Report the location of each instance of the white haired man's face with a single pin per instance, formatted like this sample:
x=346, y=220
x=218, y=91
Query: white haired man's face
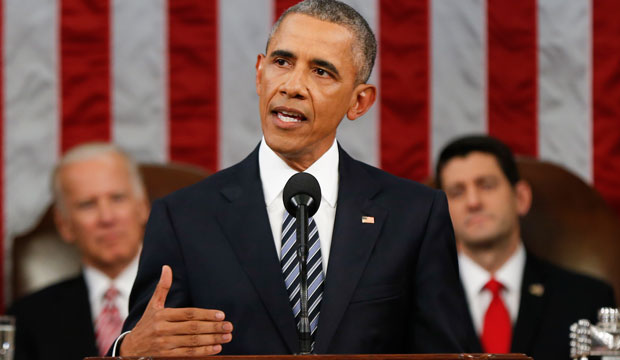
x=101, y=211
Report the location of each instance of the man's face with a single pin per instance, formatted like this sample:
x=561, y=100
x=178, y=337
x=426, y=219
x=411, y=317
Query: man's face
x=484, y=206
x=306, y=84
x=102, y=213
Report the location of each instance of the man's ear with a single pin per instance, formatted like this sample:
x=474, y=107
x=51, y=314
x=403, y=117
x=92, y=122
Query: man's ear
x=259, y=70
x=144, y=209
x=63, y=226
x=364, y=96
x=523, y=192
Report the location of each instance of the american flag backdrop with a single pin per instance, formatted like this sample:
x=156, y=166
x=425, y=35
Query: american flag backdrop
x=174, y=81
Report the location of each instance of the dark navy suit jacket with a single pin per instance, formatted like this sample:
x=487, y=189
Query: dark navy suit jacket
x=544, y=318
x=55, y=323
x=391, y=286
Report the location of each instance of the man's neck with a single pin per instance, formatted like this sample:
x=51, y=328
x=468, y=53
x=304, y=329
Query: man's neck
x=492, y=258
x=302, y=161
x=111, y=271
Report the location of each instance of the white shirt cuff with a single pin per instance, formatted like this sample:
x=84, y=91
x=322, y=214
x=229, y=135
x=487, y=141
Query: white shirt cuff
x=120, y=337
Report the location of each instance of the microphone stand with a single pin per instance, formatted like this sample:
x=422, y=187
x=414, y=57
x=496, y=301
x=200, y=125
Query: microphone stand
x=305, y=336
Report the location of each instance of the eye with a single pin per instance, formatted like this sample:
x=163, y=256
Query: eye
x=488, y=184
x=280, y=62
x=118, y=197
x=86, y=204
x=322, y=72
x=454, y=192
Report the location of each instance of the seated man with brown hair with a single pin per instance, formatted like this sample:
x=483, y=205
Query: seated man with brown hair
x=101, y=207
x=518, y=302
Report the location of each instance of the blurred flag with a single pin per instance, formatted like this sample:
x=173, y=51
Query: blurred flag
x=174, y=81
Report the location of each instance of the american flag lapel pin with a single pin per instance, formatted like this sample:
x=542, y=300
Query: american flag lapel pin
x=368, y=219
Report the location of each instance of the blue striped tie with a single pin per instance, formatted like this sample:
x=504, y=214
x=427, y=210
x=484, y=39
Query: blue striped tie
x=290, y=268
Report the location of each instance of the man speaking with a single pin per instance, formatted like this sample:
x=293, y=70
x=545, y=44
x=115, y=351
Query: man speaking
x=216, y=256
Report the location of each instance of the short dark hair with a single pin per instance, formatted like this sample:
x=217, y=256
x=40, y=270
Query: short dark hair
x=462, y=147
x=365, y=45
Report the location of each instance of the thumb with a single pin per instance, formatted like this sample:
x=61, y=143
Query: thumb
x=161, y=290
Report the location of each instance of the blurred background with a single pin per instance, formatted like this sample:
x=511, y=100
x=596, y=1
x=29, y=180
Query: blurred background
x=173, y=81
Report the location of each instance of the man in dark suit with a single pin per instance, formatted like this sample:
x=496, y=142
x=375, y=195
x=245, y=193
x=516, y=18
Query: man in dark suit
x=101, y=208
x=387, y=256
x=518, y=303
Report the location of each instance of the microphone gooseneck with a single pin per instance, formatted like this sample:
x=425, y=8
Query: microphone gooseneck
x=302, y=197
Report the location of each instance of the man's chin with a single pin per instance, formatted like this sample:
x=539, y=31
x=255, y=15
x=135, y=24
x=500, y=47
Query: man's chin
x=481, y=242
x=284, y=146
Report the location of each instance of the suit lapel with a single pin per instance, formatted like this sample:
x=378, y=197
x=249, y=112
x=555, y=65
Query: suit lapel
x=82, y=314
x=245, y=222
x=352, y=243
x=530, y=308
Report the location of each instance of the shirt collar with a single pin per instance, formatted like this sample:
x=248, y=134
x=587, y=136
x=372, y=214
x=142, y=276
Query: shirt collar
x=510, y=274
x=98, y=282
x=274, y=173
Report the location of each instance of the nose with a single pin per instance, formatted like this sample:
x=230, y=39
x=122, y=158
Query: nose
x=472, y=197
x=105, y=212
x=294, y=85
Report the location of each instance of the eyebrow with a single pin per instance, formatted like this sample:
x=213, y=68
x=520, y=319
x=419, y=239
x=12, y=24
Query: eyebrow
x=282, y=53
x=326, y=64
x=318, y=62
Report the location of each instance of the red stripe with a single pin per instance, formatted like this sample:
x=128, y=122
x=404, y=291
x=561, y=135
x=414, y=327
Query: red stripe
x=281, y=6
x=193, y=81
x=606, y=99
x=2, y=217
x=512, y=74
x=85, y=71
x=405, y=93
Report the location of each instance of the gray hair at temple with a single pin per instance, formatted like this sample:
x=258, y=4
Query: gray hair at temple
x=88, y=151
x=365, y=46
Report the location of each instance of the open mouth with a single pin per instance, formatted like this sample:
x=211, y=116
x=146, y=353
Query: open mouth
x=288, y=116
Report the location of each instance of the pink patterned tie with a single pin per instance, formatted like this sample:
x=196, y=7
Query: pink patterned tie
x=109, y=323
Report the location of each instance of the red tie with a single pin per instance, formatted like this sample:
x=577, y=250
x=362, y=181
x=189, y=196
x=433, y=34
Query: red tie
x=109, y=323
x=497, y=329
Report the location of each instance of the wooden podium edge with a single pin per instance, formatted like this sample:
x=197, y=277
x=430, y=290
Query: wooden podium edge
x=334, y=357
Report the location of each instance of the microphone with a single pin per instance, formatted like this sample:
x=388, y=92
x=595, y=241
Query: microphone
x=302, y=197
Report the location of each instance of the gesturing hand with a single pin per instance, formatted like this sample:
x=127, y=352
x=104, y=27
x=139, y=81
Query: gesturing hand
x=176, y=332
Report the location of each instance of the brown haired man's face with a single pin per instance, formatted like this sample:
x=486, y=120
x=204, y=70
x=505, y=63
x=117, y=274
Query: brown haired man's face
x=484, y=206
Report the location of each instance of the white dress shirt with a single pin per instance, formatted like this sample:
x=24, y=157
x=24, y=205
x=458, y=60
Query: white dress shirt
x=98, y=283
x=474, y=277
x=274, y=174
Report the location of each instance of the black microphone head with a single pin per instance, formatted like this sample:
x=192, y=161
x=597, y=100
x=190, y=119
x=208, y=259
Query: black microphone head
x=296, y=187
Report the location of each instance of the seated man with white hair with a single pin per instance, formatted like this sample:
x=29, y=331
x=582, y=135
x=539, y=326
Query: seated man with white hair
x=100, y=207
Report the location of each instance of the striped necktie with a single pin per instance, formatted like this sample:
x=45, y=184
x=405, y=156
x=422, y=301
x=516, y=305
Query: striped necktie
x=109, y=322
x=290, y=269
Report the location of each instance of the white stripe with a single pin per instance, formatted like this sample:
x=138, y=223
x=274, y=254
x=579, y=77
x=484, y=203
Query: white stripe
x=360, y=138
x=565, y=134
x=139, y=83
x=288, y=263
x=315, y=303
x=31, y=112
x=294, y=293
x=458, y=76
x=292, y=276
x=288, y=247
x=316, y=287
x=243, y=29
